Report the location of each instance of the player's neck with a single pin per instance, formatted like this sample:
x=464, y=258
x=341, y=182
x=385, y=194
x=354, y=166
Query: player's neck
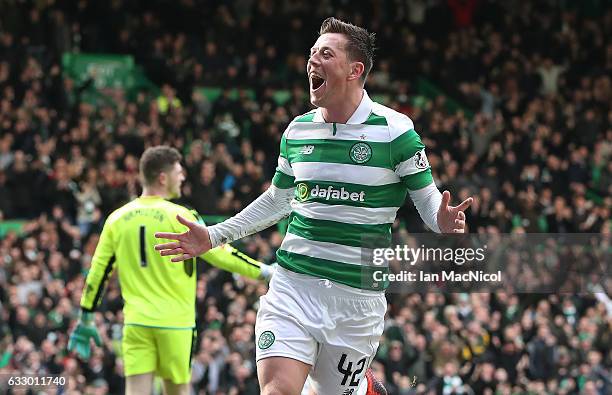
x=153, y=191
x=342, y=112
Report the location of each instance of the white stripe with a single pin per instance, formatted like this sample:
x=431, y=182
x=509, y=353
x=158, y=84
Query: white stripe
x=330, y=251
x=409, y=166
x=307, y=130
x=374, y=133
x=283, y=165
x=398, y=122
x=340, y=172
x=346, y=214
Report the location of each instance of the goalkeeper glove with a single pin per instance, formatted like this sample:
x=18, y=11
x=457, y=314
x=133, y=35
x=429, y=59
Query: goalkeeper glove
x=82, y=334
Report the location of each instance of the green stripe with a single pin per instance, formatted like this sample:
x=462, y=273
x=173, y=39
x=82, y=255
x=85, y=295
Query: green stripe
x=418, y=180
x=356, y=276
x=306, y=117
x=354, y=235
x=337, y=151
x=389, y=195
x=374, y=119
x=404, y=146
x=282, y=180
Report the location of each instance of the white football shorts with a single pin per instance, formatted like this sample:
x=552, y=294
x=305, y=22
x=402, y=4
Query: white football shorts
x=332, y=327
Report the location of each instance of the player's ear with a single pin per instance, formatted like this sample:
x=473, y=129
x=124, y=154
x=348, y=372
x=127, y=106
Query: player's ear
x=162, y=178
x=357, y=69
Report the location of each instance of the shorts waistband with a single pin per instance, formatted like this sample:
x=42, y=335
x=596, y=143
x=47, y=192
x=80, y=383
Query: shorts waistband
x=323, y=285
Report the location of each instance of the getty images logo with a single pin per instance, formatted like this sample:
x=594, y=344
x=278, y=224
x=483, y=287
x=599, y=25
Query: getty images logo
x=330, y=193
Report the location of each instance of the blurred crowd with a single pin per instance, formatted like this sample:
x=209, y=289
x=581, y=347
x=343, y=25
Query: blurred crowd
x=532, y=142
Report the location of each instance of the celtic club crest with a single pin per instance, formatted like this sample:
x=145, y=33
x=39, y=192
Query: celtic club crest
x=266, y=339
x=301, y=192
x=360, y=153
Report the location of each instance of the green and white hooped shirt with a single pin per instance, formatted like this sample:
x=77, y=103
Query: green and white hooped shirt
x=350, y=180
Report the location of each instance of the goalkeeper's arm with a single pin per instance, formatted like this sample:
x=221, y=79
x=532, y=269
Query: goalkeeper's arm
x=100, y=272
x=230, y=259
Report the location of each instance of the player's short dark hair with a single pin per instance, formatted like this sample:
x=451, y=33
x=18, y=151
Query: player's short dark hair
x=360, y=43
x=156, y=160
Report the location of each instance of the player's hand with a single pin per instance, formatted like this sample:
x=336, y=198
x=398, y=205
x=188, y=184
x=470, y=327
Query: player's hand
x=80, y=338
x=190, y=244
x=452, y=219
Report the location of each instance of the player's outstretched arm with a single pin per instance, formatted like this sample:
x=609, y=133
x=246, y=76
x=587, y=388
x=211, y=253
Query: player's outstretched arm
x=269, y=208
x=451, y=219
x=190, y=244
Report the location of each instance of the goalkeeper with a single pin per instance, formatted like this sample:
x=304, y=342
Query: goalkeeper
x=159, y=310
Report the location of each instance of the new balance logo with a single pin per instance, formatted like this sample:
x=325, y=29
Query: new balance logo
x=307, y=149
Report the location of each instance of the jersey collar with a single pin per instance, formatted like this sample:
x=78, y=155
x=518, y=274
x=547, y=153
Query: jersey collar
x=150, y=197
x=360, y=115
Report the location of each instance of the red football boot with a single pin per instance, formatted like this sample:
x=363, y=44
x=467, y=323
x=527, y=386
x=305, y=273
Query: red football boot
x=375, y=387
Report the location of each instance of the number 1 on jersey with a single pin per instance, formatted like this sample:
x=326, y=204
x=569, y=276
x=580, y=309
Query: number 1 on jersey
x=143, y=252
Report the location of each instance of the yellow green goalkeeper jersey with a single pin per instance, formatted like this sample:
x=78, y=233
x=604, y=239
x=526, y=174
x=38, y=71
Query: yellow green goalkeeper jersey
x=157, y=292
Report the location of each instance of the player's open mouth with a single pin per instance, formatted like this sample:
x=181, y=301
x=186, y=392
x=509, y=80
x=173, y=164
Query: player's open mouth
x=316, y=82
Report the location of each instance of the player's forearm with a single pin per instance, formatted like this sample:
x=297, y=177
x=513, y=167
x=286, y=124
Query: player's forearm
x=230, y=259
x=94, y=286
x=100, y=272
x=269, y=208
x=427, y=201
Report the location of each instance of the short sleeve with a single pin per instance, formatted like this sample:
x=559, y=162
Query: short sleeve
x=409, y=160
